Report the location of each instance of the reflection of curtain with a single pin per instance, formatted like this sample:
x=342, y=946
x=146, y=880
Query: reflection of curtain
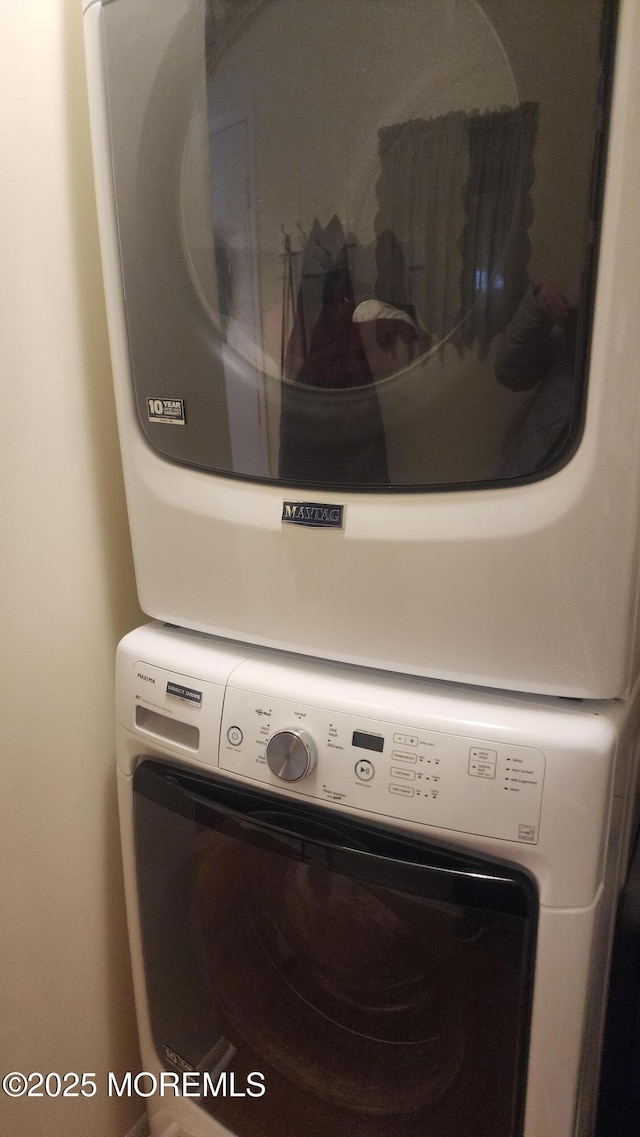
x=452, y=219
x=499, y=211
x=424, y=165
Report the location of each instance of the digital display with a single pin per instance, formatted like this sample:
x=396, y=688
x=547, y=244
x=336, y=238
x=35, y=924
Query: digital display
x=368, y=741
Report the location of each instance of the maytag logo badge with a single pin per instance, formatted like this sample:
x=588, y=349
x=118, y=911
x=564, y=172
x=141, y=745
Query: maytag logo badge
x=315, y=514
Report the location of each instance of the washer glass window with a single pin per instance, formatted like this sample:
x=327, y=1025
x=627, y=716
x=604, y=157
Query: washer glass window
x=374, y=983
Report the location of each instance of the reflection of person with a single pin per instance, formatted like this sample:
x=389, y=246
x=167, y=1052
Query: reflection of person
x=537, y=354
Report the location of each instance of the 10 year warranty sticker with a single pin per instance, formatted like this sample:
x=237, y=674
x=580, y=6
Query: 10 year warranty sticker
x=166, y=410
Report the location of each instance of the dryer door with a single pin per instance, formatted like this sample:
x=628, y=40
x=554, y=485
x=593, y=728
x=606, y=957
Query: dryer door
x=325, y=211
x=324, y=976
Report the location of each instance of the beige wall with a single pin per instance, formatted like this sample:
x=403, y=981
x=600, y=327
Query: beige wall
x=67, y=595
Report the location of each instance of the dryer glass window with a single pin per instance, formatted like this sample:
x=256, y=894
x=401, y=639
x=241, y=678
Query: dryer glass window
x=357, y=235
x=368, y=983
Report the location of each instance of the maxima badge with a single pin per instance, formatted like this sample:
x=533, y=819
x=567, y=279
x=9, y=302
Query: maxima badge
x=315, y=514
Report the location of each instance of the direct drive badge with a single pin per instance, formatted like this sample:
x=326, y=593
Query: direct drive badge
x=187, y=694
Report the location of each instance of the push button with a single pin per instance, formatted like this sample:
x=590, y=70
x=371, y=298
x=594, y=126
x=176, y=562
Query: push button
x=406, y=739
x=403, y=775
x=482, y=762
x=364, y=770
x=404, y=791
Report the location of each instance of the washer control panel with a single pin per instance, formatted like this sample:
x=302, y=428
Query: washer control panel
x=393, y=769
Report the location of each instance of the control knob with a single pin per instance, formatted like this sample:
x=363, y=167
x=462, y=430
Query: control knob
x=291, y=755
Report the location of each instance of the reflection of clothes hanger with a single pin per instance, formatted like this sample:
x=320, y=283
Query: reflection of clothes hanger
x=324, y=271
x=335, y=248
x=332, y=262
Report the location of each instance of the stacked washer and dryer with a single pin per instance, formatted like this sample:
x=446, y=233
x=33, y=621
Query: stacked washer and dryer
x=371, y=273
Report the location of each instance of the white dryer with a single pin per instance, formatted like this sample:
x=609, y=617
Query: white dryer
x=361, y=904
x=325, y=227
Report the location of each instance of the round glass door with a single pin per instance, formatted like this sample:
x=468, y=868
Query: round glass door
x=357, y=235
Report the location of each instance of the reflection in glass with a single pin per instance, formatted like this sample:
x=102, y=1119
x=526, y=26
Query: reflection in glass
x=366, y=192
x=340, y=990
x=537, y=353
x=393, y=305
x=380, y=986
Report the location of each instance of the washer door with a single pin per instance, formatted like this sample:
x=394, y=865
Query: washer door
x=369, y=982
